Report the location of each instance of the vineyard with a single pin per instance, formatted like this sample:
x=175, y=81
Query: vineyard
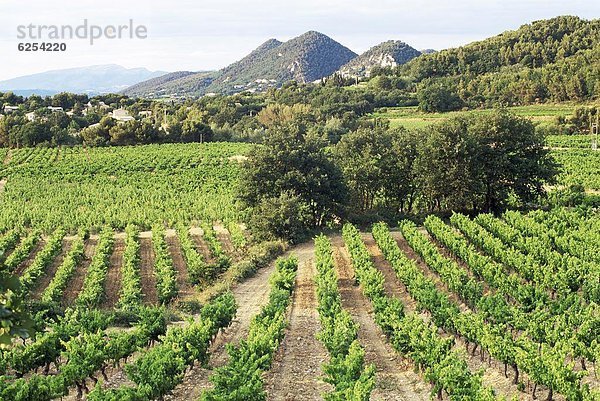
x=412, y=117
x=144, y=285
x=78, y=187
x=579, y=163
x=579, y=166
x=483, y=308
x=569, y=141
x=306, y=223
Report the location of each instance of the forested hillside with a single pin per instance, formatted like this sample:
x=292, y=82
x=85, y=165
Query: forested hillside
x=533, y=45
x=549, y=60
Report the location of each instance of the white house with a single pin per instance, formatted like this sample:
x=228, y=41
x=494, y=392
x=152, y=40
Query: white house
x=10, y=109
x=30, y=116
x=145, y=113
x=121, y=115
x=55, y=109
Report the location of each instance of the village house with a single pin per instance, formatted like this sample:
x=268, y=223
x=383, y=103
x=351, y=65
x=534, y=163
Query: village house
x=121, y=115
x=10, y=109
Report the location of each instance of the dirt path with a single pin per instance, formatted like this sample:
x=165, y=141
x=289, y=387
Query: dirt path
x=251, y=295
x=225, y=239
x=393, y=286
x=112, y=284
x=493, y=374
x=183, y=283
x=394, y=376
x=2, y=185
x=296, y=370
x=201, y=245
x=148, y=279
x=51, y=270
x=36, y=249
x=76, y=283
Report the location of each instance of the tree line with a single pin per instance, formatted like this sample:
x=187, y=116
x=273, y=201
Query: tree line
x=330, y=108
x=297, y=181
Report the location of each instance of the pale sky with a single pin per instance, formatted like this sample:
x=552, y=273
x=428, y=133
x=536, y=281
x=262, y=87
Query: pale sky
x=204, y=35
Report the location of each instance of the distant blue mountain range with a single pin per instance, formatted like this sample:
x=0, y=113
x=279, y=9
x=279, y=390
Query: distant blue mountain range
x=96, y=79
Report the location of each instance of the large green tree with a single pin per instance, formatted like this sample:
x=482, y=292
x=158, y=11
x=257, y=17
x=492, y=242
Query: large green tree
x=377, y=165
x=400, y=190
x=298, y=164
x=438, y=96
x=444, y=168
x=510, y=160
x=479, y=162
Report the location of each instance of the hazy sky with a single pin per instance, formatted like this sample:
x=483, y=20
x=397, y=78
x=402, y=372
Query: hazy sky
x=202, y=35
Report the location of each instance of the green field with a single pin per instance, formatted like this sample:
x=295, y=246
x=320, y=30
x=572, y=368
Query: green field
x=182, y=190
x=579, y=166
x=569, y=141
x=78, y=187
x=411, y=117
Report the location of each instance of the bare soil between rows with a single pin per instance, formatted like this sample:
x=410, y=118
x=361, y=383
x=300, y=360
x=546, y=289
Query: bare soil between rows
x=36, y=249
x=183, y=282
x=48, y=275
x=395, y=378
x=76, y=283
x=147, y=276
x=296, y=370
x=112, y=284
